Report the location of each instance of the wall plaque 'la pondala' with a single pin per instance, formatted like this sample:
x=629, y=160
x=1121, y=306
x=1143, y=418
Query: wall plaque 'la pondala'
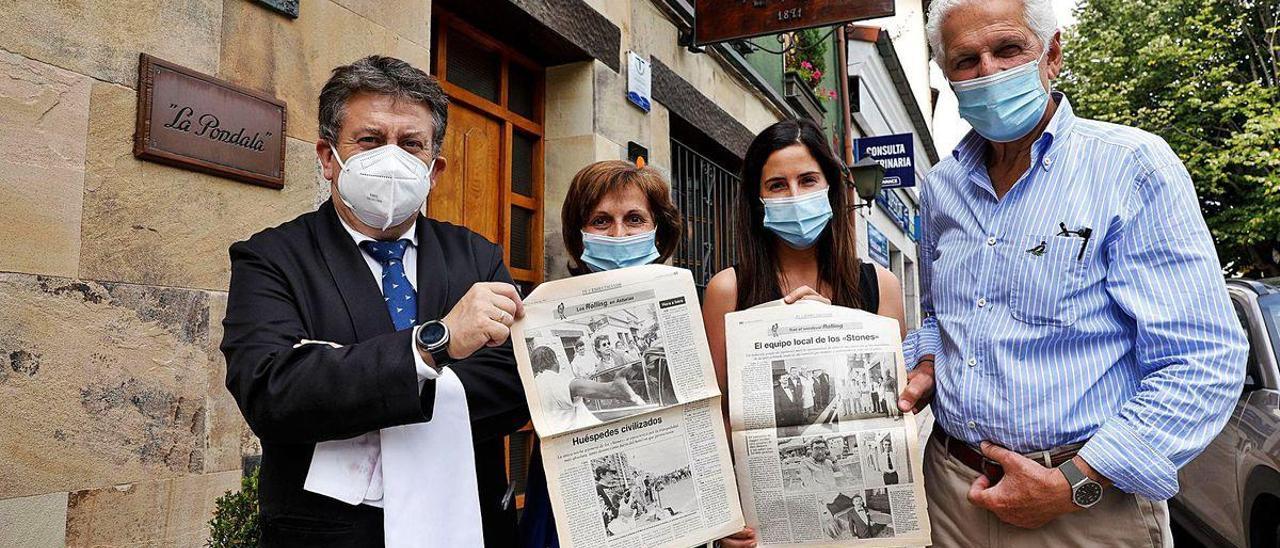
x=198, y=122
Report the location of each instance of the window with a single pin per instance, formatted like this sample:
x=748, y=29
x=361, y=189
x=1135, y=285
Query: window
x=706, y=193
x=494, y=143
x=1251, y=362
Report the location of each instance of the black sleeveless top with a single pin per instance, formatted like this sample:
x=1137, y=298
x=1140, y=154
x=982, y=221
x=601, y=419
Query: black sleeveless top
x=868, y=287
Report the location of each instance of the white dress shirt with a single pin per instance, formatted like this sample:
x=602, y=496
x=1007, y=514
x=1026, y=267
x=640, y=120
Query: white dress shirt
x=373, y=496
x=584, y=365
x=563, y=410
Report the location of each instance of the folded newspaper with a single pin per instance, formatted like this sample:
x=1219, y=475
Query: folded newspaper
x=824, y=457
x=623, y=395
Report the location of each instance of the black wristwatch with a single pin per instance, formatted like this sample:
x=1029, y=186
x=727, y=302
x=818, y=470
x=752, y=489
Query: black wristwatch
x=433, y=337
x=1084, y=491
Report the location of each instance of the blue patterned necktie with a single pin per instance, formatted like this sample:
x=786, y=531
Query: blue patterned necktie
x=397, y=292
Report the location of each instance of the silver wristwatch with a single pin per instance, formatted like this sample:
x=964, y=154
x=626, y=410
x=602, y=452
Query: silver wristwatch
x=433, y=337
x=1084, y=491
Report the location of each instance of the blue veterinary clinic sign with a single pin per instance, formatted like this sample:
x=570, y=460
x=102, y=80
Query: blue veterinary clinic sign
x=895, y=208
x=895, y=152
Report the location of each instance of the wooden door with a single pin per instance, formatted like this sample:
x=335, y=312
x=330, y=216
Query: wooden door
x=493, y=145
x=468, y=192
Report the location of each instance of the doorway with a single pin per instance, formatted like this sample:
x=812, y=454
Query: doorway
x=493, y=184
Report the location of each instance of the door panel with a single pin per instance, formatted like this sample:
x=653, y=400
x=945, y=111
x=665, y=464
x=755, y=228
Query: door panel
x=1209, y=483
x=467, y=192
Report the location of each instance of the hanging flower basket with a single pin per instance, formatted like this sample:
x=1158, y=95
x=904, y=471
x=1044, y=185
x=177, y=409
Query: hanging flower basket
x=802, y=97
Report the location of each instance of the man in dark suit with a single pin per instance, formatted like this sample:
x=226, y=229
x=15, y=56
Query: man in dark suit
x=786, y=402
x=860, y=523
x=822, y=389
x=350, y=322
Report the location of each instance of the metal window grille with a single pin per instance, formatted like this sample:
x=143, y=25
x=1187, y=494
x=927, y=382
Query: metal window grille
x=522, y=163
x=473, y=67
x=521, y=237
x=705, y=193
x=518, y=453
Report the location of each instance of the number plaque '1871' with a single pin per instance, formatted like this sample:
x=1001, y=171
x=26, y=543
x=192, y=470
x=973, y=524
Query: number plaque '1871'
x=722, y=20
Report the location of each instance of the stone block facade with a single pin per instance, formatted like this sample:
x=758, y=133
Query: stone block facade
x=113, y=271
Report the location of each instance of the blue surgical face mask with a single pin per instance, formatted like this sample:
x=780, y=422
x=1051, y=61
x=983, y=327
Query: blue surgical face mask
x=1004, y=106
x=609, y=253
x=798, y=220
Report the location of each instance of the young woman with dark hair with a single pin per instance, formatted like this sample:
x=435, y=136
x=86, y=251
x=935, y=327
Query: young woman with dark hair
x=796, y=240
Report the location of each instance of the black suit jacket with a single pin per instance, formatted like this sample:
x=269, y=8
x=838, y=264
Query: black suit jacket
x=786, y=410
x=307, y=279
x=859, y=528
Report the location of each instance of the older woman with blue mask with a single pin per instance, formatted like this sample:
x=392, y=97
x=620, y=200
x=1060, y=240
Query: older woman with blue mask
x=616, y=214
x=1077, y=328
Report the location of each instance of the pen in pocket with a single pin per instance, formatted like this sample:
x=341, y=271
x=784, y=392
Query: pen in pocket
x=1084, y=233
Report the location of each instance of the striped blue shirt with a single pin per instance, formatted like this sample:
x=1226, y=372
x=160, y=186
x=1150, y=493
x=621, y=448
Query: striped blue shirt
x=1124, y=341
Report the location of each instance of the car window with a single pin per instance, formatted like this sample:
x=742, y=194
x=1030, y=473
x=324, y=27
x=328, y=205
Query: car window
x=1252, y=363
x=1270, y=306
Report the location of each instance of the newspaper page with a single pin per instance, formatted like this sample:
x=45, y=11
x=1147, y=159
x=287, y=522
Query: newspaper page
x=623, y=395
x=824, y=457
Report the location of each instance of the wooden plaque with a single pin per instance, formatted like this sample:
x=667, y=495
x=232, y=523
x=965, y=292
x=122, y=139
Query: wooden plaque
x=198, y=122
x=721, y=20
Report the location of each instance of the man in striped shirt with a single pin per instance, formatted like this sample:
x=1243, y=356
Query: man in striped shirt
x=1080, y=346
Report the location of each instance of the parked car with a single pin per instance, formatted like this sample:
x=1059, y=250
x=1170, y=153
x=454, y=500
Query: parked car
x=1231, y=493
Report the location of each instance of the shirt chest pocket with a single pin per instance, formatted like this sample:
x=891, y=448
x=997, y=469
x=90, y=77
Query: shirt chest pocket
x=1047, y=274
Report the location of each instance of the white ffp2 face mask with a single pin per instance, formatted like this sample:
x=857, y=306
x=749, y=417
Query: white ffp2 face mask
x=383, y=186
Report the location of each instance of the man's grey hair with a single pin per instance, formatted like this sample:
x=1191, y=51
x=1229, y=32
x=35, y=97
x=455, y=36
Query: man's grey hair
x=384, y=75
x=1037, y=14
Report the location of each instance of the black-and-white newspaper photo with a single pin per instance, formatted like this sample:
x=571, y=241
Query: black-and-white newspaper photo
x=594, y=368
x=623, y=396
x=815, y=394
x=856, y=514
x=884, y=457
x=824, y=456
x=813, y=464
x=644, y=485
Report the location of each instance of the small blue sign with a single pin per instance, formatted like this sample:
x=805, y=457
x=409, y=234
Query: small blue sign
x=895, y=208
x=638, y=81
x=895, y=152
x=877, y=245
x=916, y=231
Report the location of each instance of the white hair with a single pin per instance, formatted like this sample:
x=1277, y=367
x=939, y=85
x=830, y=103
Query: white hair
x=1037, y=14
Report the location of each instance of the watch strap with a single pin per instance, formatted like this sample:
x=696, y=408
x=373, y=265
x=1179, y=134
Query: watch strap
x=1072, y=472
x=441, y=356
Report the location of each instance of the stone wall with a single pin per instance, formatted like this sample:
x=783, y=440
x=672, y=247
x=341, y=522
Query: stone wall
x=113, y=271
